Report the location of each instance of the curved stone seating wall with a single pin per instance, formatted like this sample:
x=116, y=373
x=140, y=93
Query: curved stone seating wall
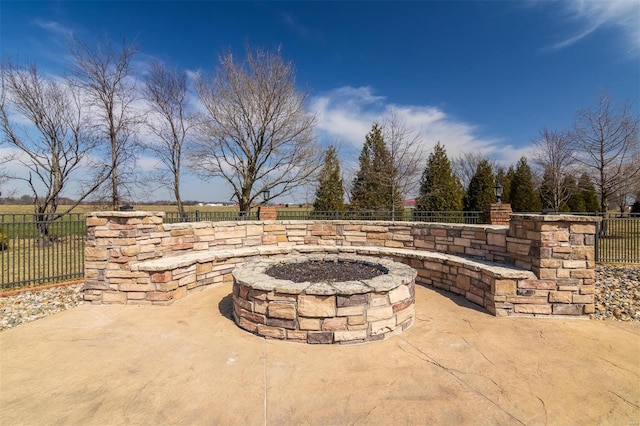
x=539, y=265
x=327, y=313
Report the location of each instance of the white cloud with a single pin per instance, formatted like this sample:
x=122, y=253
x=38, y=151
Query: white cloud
x=591, y=16
x=53, y=27
x=347, y=113
x=299, y=28
x=293, y=23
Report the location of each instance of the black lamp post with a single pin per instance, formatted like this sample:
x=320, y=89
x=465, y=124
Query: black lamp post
x=497, y=190
x=265, y=196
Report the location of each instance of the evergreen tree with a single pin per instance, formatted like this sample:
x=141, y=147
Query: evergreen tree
x=547, y=192
x=361, y=188
x=523, y=194
x=373, y=187
x=504, y=178
x=506, y=185
x=589, y=194
x=575, y=203
x=440, y=189
x=480, y=192
x=330, y=191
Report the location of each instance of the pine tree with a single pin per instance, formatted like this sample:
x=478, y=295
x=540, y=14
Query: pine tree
x=575, y=203
x=330, y=191
x=373, y=187
x=440, y=189
x=504, y=179
x=547, y=192
x=480, y=192
x=506, y=194
x=523, y=194
x=589, y=194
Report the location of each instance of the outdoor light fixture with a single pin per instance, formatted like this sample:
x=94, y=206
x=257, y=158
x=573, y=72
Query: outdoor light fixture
x=265, y=195
x=498, y=191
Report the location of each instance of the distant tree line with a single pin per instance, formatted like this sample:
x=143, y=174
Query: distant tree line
x=591, y=168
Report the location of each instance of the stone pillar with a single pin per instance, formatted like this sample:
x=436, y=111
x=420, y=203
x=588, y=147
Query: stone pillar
x=114, y=240
x=267, y=213
x=560, y=250
x=499, y=214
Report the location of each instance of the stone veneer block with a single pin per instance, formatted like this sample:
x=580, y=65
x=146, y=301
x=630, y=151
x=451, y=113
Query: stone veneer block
x=316, y=306
x=325, y=319
x=281, y=310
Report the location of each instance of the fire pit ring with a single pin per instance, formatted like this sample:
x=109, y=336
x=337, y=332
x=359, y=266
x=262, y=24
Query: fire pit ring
x=324, y=312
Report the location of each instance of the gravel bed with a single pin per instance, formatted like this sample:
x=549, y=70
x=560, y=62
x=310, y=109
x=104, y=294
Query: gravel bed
x=617, y=293
x=617, y=298
x=32, y=305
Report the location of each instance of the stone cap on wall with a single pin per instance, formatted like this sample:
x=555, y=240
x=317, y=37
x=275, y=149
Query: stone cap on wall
x=557, y=217
x=540, y=217
x=136, y=213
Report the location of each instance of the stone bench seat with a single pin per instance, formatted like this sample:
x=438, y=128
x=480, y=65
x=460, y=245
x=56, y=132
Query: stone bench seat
x=484, y=283
x=495, y=270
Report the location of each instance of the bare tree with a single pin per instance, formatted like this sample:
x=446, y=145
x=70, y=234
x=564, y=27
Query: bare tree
x=605, y=142
x=465, y=165
x=58, y=150
x=256, y=133
x=170, y=120
x=5, y=158
x=626, y=192
x=553, y=153
x=105, y=76
x=407, y=155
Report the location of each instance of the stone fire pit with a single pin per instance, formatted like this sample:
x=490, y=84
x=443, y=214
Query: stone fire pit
x=328, y=311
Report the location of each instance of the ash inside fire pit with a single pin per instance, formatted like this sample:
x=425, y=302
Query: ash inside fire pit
x=321, y=271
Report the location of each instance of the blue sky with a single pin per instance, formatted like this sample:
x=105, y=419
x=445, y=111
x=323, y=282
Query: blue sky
x=477, y=76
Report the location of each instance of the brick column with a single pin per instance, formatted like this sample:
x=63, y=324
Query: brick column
x=267, y=213
x=499, y=214
x=560, y=250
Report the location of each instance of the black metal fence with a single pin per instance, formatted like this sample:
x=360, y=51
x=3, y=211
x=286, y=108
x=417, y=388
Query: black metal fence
x=29, y=256
x=472, y=217
x=618, y=238
x=200, y=216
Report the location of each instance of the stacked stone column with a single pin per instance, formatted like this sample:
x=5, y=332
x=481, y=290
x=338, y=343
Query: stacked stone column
x=114, y=241
x=560, y=250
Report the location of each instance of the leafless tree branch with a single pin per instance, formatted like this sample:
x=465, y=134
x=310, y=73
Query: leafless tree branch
x=553, y=153
x=170, y=121
x=104, y=76
x=256, y=133
x=56, y=144
x=605, y=142
x=407, y=153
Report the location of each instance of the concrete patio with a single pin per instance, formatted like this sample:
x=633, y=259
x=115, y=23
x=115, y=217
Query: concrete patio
x=190, y=364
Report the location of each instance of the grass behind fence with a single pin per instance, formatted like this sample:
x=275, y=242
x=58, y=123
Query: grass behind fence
x=31, y=259
x=620, y=240
x=27, y=262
